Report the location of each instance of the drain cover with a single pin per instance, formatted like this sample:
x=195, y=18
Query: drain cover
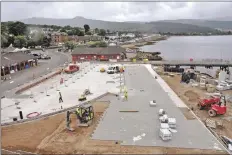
x=110, y=82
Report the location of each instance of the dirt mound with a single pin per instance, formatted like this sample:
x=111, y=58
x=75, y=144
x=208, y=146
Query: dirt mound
x=191, y=95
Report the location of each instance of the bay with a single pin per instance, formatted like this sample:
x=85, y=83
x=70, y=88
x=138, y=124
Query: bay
x=195, y=47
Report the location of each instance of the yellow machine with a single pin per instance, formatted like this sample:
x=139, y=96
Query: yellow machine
x=82, y=98
x=102, y=70
x=84, y=113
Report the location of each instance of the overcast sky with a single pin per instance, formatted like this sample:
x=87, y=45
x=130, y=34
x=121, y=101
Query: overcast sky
x=116, y=11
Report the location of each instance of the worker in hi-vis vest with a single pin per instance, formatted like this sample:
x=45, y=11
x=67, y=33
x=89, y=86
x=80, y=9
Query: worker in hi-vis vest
x=125, y=93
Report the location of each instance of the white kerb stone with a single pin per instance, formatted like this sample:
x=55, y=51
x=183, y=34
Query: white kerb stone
x=165, y=134
x=164, y=125
x=161, y=112
x=152, y=103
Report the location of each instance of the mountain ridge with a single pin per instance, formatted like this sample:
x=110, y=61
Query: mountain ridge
x=176, y=26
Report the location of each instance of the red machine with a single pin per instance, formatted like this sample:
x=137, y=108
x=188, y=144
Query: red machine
x=219, y=108
x=217, y=105
x=71, y=68
x=208, y=101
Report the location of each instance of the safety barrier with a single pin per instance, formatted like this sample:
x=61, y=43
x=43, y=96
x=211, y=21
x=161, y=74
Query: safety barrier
x=53, y=113
x=37, y=82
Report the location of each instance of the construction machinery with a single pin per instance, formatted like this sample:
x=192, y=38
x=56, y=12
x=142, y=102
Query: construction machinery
x=219, y=108
x=82, y=98
x=206, y=102
x=102, y=70
x=215, y=104
x=84, y=114
x=87, y=92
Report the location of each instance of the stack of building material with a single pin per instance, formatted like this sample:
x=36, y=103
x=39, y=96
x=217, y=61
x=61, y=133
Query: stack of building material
x=161, y=112
x=152, y=103
x=211, y=88
x=223, y=86
x=165, y=134
x=203, y=82
x=172, y=122
x=164, y=126
x=164, y=119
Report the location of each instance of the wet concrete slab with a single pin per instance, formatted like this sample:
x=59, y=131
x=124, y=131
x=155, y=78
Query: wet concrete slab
x=128, y=126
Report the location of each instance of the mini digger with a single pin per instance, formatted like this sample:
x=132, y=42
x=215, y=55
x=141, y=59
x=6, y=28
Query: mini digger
x=84, y=114
x=83, y=96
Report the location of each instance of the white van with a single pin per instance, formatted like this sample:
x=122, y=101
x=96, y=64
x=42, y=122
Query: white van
x=113, y=69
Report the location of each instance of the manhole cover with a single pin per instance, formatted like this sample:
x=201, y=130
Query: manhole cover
x=110, y=82
x=33, y=114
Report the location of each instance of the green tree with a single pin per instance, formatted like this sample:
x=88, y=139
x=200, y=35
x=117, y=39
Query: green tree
x=88, y=33
x=108, y=31
x=87, y=28
x=4, y=41
x=67, y=27
x=70, y=32
x=31, y=43
x=102, y=32
x=11, y=39
x=20, y=41
x=76, y=31
x=69, y=45
x=63, y=30
x=46, y=41
x=102, y=44
x=17, y=28
x=4, y=29
x=38, y=38
x=81, y=33
x=96, y=30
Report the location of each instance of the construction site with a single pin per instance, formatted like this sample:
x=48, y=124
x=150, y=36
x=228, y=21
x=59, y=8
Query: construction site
x=116, y=108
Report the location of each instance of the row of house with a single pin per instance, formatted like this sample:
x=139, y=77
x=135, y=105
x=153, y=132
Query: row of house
x=61, y=37
x=101, y=54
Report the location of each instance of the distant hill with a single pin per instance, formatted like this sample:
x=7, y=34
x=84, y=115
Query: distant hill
x=219, y=23
x=158, y=26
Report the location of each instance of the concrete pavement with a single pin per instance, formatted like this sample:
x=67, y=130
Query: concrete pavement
x=142, y=128
x=73, y=87
x=43, y=68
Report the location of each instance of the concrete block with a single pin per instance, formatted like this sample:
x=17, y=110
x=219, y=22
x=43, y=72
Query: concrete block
x=152, y=103
x=164, y=119
x=172, y=122
x=164, y=125
x=161, y=112
x=165, y=134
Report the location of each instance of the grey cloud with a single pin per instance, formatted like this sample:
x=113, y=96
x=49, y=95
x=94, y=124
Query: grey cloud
x=116, y=11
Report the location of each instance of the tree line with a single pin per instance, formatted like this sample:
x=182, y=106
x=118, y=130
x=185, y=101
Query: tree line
x=20, y=35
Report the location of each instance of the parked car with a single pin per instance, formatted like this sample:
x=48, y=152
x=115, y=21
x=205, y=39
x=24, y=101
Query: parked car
x=45, y=57
x=38, y=56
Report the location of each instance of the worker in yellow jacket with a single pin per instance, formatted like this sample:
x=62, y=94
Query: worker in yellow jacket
x=125, y=94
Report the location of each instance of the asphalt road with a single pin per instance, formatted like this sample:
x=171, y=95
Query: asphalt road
x=44, y=66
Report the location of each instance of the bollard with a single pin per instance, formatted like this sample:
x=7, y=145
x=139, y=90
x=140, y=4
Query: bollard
x=46, y=92
x=57, y=88
x=21, y=114
x=65, y=84
x=31, y=96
